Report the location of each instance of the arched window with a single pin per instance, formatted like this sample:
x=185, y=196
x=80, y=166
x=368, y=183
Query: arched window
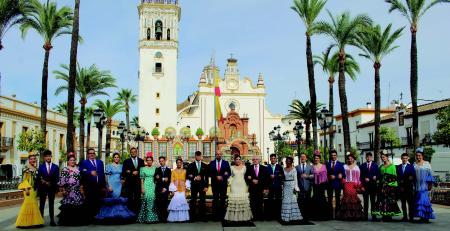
x=168, y=34
x=158, y=30
x=148, y=33
x=158, y=67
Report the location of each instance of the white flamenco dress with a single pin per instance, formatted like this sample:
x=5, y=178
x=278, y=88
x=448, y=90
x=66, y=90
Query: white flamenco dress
x=178, y=207
x=238, y=200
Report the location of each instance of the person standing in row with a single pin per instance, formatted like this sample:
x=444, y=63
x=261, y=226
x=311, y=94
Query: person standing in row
x=197, y=174
x=275, y=184
x=351, y=208
x=132, y=184
x=219, y=171
x=256, y=177
x=289, y=206
x=48, y=177
x=147, y=212
x=320, y=210
x=424, y=184
x=162, y=180
x=304, y=177
x=406, y=176
x=369, y=177
x=178, y=206
x=336, y=173
x=93, y=181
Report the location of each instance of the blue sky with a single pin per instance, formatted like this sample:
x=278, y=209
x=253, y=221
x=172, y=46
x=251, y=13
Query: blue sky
x=264, y=35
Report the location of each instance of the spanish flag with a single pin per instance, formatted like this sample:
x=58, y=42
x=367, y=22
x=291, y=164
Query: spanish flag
x=219, y=116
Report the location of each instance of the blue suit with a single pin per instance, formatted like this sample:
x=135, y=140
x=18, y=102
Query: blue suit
x=335, y=185
x=47, y=185
x=406, y=178
x=275, y=185
x=370, y=188
x=219, y=188
x=94, y=186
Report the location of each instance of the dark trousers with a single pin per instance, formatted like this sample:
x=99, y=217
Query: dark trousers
x=43, y=194
x=256, y=204
x=197, y=192
x=337, y=194
x=370, y=194
x=272, y=206
x=93, y=194
x=162, y=203
x=219, y=197
x=407, y=198
x=304, y=199
x=133, y=193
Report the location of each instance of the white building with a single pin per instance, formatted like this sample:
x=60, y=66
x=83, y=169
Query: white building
x=18, y=116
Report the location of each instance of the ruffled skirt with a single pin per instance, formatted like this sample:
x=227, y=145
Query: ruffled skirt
x=178, y=208
x=238, y=208
x=29, y=214
x=387, y=202
x=115, y=211
x=423, y=207
x=351, y=208
x=73, y=215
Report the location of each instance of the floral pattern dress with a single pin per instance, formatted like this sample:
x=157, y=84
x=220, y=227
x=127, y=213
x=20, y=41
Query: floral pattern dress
x=148, y=213
x=289, y=207
x=351, y=208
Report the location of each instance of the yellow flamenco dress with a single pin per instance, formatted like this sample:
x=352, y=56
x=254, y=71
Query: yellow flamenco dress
x=29, y=214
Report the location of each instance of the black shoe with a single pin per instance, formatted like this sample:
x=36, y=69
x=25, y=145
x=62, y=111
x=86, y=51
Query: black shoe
x=374, y=219
x=405, y=219
x=52, y=223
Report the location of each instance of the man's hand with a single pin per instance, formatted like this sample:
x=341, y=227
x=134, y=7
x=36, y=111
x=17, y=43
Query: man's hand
x=163, y=190
x=255, y=181
x=340, y=176
x=367, y=179
x=272, y=176
x=142, y=191
x=190, y=176
x=157, y=176
x=110, y=189
x=197, y=178
x=249, y=177
x=205, y=189
x=94, y=173
x=304, y=176
x=165, y=179
x=374, y=177
x=219, y=178
x=122, y=182
x=332, y=177
x=135, y=173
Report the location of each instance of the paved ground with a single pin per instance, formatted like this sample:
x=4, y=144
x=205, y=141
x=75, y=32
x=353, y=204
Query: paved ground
x=8, y=217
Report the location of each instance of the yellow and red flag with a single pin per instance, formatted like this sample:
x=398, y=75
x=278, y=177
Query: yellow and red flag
x=218, y=110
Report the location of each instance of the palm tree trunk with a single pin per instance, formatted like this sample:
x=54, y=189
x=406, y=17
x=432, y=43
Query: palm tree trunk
x=312, y=88
x=127, y=114
x=83, y=102
x=308, y=132
x=72, y=75
x=331, y=108
x=88, y=137
x=47, y=48
x=377, y=141
x=108, y=137
x=413, y=87
x=343, y=100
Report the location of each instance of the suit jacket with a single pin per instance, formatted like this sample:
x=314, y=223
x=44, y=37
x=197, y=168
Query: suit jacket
x=128, y=168
x=225, y=172
x=406, y=179
x=159, y=175
x=338, y=169
x=365, y=173
x=304, y=183
x=192, y=172
x=250, y=175
x=86, y=167
x=46, y=181
x=276, y=183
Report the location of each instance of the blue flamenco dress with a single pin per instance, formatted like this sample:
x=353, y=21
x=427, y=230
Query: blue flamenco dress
x=114, y=209
x=424, y=177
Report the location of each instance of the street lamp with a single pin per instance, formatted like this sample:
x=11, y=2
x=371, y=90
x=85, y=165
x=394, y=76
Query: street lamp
x=100, y=121
x=276, y=137
x=325, y=119
x=298, y=131
x=122, y=130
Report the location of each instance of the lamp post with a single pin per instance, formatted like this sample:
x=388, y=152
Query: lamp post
x=325, y=119
x=100, y=121
x=122, y=130
x=276, y=137
x=298, y=131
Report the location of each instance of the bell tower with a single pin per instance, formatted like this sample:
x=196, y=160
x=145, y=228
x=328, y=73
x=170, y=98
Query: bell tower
x=158, y=56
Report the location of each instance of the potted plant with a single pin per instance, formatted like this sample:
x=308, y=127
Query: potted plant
x=199, y=133
x=155, y=133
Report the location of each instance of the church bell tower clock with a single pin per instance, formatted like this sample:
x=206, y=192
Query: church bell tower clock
x=158, y=56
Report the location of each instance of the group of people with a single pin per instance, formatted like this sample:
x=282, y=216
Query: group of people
x=143, y=191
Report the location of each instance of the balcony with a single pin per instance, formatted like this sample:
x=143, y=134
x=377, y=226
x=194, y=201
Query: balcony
x=7, y=143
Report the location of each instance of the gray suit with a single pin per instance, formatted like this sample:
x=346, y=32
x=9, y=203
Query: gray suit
x=305, y=187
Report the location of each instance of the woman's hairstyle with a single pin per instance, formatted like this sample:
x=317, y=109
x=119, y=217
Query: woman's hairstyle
x=179, y=159
x=71, y=156
x=290, y=159
x=237, y=156
x=149, y=157
x=352, y=156
x=385, y=154
x=31, y=155
x=115, y=154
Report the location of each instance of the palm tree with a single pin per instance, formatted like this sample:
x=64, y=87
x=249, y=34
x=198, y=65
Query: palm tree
x=330, y=66
x=376, y=44
x=343, y=30
x=300, y=111
x=89, y=114
x=110, y=111
x=413, y=10
x=12, y=12
x=49, y=22
x=62, y=109
x=73, y=69
x=127, y=97
x=135, y=121
x=90, y=82
x=308, y=10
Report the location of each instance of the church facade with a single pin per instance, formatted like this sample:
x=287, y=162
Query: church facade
x=190, y=125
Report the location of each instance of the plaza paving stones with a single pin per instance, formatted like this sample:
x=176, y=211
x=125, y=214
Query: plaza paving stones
x=8, y=218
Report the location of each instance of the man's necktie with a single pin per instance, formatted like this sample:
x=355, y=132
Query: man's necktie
x=256, y=170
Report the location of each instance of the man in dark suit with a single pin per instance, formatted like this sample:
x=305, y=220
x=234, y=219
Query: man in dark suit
x=132, y=181
x=369, y=177
x=197, y=174
x=162, y=181
x=256, y=179
x=275, y=177
x=406, y=176
x=48, y=177
x=93, y=181
x=219, y=171
x=336, y=172
x=304, y=177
